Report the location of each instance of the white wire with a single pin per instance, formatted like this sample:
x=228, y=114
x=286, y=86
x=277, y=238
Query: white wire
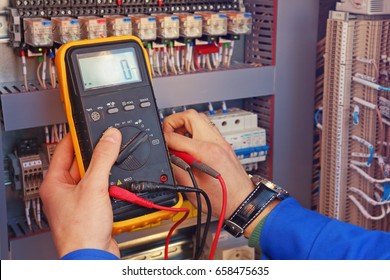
x=368, y=177
x=365, y=212
x=365, y=103
x=368, y=198
x=27, y=204
x=39, y=213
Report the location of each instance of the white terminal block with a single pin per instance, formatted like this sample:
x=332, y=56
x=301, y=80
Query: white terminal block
x=168, y=26
x=214, y=24
x=93, y=27
x=234, y=120
x=65, y=29
x=365, y=7
x=240, y=130
x=118, y=25
x=239, y=23
x=190, y=25
x=144, y=26
x=38, y=32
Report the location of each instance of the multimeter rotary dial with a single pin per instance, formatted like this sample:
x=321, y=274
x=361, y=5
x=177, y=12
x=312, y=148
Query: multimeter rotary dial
x=135, y=148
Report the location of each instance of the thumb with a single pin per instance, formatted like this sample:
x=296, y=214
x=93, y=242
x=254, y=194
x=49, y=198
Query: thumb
x=103, y=157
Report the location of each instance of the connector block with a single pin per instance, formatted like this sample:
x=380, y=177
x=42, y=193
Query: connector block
x=144, y=27
x=66, y=29
x=239, y=23
x=190, y=25
x=93, y=27
x=118, y=25
x=168, y=27
x=214, y=24
x=38, y=32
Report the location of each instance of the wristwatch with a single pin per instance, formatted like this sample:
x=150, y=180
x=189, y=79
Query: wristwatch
x=253, y=205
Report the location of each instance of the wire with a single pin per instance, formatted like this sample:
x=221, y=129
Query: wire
x=44, y=70
x=24, y=69
x=368, y=145
x=27, y=204
x=38, y=74
x=369, y=84
x=123, y=194
x=356, y=112
x=198, y=245
x=368, y=198
x=230, y=54
x=316, y=115
x=368, y=177
x=365, y=212
x=215, y=174
x=52, y=70
x=139, y=187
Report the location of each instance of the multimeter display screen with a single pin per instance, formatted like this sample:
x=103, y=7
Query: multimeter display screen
x=109, y=68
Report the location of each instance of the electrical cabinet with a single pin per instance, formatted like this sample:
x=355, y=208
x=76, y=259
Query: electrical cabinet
x=280, y=91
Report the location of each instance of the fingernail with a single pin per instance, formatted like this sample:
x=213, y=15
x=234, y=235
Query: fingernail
x=111, y=135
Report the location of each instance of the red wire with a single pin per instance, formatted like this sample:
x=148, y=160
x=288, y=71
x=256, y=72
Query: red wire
x=168, y=240
x=122, y=194
x=221, y=218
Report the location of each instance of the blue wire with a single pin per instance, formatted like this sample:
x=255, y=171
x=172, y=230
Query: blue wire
x=371, y=155
x=384, y=88
x=316, y=116
x=386, y=192
x=355, y=118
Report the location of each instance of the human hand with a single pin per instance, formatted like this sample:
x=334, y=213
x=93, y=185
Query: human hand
x=207, y=145
x=79, y=209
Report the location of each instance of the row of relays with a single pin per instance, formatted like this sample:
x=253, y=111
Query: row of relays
x=163, y=28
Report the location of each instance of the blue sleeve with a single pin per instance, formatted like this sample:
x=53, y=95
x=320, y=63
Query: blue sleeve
x=89, y=254
x=293, y=232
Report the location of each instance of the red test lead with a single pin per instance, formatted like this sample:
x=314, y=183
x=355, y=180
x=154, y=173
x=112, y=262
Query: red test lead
x=213, y=173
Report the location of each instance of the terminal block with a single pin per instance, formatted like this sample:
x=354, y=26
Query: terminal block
x=57, y=3
x=93, y=27
x=32, y=176
x=168, y=27
x=38, y=32
x=106, y=2
x=144, y=27
x=118, y=25
x=26, y=4
x=214, y=24
x=59, y=11
x=83, y=3
x=239, y=23
x=190, y=25
x=66, y=29
x=14, y=27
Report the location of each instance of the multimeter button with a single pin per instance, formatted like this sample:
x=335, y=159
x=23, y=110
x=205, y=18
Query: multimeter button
x=129, y=107
x=95, y=116
x=145, y=104
x=113, y=110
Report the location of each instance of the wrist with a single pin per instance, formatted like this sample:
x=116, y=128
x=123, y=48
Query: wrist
x=255, y=207
x=248, y=231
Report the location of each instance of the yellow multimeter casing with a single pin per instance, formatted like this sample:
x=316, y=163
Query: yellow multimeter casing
x=107, y=83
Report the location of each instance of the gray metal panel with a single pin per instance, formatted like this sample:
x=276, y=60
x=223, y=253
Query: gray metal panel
x=3, y=207
x=32, y=109
x=214, y=86
x=35, y=247
x=294, y=98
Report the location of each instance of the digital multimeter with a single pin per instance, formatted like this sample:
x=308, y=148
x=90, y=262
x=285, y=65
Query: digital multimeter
x=107, y=83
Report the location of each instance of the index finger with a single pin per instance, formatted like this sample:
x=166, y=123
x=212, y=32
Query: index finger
x=63, y=157
x=194, y=123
